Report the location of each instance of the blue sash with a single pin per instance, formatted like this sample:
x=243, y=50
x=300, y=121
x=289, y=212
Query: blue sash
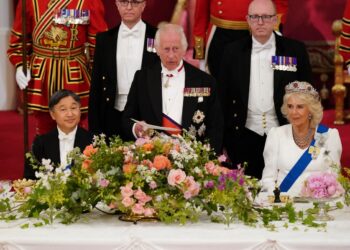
x=300, y=165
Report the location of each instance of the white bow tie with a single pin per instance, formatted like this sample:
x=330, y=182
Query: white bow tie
x=130, y=33
x=260, y=47
x=63, y=137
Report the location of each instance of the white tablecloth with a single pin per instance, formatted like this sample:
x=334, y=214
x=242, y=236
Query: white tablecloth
x=101, y=231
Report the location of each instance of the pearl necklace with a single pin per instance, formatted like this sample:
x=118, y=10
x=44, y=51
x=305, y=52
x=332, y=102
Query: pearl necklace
x=302, y=141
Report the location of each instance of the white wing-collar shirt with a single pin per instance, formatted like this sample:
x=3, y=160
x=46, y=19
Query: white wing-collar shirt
x=130, y=45
x=173, y=84
x=66, y=144
x=261, y=116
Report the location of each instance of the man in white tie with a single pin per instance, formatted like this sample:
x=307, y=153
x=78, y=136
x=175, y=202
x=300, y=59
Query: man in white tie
x=64, y=107
x=173, y=93
x=119, y=52
x=254, y=72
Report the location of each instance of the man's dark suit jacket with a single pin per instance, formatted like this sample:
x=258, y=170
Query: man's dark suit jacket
x=47, y=146
x=104, y=77
x=234, y=82
x=145, y=102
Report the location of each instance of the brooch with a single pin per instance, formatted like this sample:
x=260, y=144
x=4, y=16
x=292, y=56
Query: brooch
x=198, y=117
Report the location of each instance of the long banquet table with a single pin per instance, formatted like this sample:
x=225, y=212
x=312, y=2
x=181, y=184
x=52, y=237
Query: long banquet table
x=102, y=231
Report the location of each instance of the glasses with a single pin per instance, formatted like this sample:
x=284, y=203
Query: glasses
x=264, y=18
x=133, y=3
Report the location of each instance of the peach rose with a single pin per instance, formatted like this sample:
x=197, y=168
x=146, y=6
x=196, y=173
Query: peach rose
x=86, y=164
x=148, y=146
x=89, y=150
x=161, y=162
x=129, y=168
x=176, y=177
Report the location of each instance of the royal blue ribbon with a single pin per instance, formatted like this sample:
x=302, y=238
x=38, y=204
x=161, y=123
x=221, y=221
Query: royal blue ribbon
x=300, y=165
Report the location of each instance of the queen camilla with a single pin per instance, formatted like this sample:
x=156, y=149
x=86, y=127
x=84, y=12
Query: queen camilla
x=304, y=146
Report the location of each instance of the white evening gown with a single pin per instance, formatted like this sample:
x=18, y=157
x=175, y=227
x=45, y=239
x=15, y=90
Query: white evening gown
x=281, y=153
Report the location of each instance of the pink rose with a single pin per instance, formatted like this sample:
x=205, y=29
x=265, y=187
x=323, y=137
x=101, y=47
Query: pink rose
x=222, y=158
x=153, y=185
x=176, y=177
x=138, y=208
x=104, y=183
x=113, y=205
x=210, y=167
x=331, y=190
x=191, y=188
x=141, y=196
x=127, y=201
x=127, y=191
x=149, y=211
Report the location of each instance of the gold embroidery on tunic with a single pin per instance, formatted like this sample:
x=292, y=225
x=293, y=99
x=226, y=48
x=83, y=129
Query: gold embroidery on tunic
x=55, y=37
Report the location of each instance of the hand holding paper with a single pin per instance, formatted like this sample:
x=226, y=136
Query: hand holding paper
x=142, y=128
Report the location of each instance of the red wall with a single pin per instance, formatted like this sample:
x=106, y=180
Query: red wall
x=311, y=20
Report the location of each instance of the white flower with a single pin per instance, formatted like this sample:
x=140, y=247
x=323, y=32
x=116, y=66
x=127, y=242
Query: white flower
x=149, y=179
x=159, y=198
x=198, y=117
x=192, y=131
x=201, y=130
x=197, y=170
x=45, y=162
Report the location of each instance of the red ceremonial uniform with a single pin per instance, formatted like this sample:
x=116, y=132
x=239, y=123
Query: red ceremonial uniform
x=59, y=32
x=226, y=14
x=344, y=47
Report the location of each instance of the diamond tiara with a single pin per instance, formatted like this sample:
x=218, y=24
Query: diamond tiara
x=301, y=87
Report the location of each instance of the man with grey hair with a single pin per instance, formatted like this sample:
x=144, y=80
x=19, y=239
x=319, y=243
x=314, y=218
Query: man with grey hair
x=174, y=94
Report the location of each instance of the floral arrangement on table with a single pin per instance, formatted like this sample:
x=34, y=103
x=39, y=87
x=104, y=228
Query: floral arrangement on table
x=170, y=178
x=175, y=179
x=322, y=185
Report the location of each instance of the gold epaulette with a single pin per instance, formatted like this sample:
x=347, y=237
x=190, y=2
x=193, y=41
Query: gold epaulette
x=199, y=47
x=279, y=18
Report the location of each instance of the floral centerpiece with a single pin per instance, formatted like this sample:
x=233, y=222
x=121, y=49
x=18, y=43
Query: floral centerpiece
x=167, y=177
x=322, y=185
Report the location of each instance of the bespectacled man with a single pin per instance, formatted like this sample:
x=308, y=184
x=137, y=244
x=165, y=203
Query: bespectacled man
x=120, y=52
